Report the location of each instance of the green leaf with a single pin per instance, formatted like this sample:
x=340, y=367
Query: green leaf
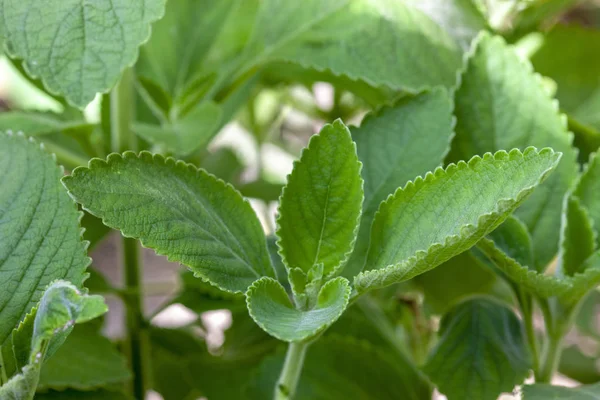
x=576, y=365
x=37, y=123
x=345, y=368
x=441, y=288
x=41, y=238
x=462, y=19
x=179, y=211
x=395, y=144
x=321, y=204
x=481, y=353
x=61, y=307
x=533, y=14
x=578, y=239
x=514, y=240
x=185, y=135
x=77, y=48
x=438, y=217
x=76, y=395
x=379, y=42
x=545, y=392
x=86, y=361
x=570, y=56
x=271, y=308
x=200, y=296
x=492, y=115
x=587, y=190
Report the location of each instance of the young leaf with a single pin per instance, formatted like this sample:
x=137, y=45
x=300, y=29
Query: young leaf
x=321, y=205
x=61, y=307
x=395, y=144
x=544, y=392
x=381, y=43
x=41, y=238
x=86, y=361
x=588, y=189
x=78, y=48
x=437, y=217
x=493, y=115
x=338, y=367
x=578, y=240
x=179, y=211
x=481, y=353
x=271, y=308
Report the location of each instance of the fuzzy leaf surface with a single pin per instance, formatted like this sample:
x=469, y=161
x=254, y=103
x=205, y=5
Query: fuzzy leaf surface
x=493, y=115
x=380, y=42
x=321, y=204
x=546, y=392
x=61, y=307
x=40, y=237
x=481, y=353
x=271, y=308
x=395, y=144
x=438, y=217
x=78, y=48
x=588, y=192
x=179, y=211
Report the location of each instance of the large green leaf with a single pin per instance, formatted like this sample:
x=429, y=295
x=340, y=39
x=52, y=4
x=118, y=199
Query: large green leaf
x=179, y=211
x=78, y=48
x=395, y=144
x=588, y=189
x=492, y=114
x=380, y=42
x=578, y=240
x=86, y=361
x=271, y=308
x=437, y=217
x=321, y=204
x=547, y=392
x=570, y=55
x=41, y=238
x=344, y=368
x=481, y=353
x=61, y=307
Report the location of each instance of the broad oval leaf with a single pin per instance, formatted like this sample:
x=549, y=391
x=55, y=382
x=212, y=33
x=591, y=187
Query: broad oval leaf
x=492, y=115
x=271, y=308
x=321, y=204
x=179, y=211
x=61, y=307
x=395, y=144
x=544, y=392
x=437, y=217
x=78, y=48
x=40, y=238
x=481, y=353
x=588, y=192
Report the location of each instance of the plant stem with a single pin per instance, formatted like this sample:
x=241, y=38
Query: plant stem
x=65, y=157
x=552, y=358
x=122, y=110
x=292, y=368
x=526, y=303
x=3, y=376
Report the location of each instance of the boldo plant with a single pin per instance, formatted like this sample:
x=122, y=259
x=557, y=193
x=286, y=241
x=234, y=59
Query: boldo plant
x=437, y=234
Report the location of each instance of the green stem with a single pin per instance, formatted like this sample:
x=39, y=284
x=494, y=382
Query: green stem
x=552, y=358
x=134, y=316
x=65, y=157
x=3, y=376
x=122, y=110
x=526, y=303
x=292, y=368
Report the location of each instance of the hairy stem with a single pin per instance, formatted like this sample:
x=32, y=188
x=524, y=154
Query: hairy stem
x=292, y=368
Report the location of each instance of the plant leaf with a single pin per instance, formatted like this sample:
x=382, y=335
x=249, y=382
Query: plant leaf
x=481, y=353
x=493, y=115
x=544, y=392
x=438, y=217
x=37, y=123
x=512, y=237
x=271, y=308
x=86, y=361
x=321, y=204
x=587, y=190
x=61, y=307
x=578, y=239
x=76, y=395
x=77, y=48
x=185, y=135
x=41, y=238
x=179, y=211
x=576, y=365
x=339, y=367
x=380, y=42
x=395, y=144
x=569, y=55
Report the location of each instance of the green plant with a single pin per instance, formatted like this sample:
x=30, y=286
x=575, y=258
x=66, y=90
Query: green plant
x=464, y=196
